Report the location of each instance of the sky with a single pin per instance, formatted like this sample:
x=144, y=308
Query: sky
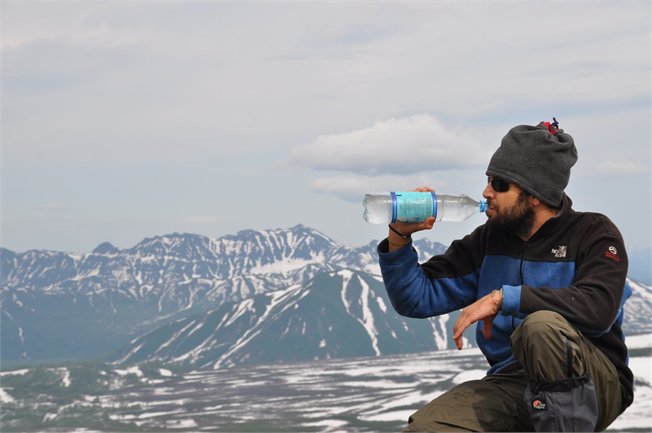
x=129, y=119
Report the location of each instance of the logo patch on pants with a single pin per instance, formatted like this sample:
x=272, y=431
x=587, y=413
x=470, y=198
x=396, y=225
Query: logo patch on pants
x=539, y=404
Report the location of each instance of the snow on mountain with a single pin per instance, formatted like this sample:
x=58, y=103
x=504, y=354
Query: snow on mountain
x=638, y=309
x=338, y=314
x=57, y=304
x=256, y=296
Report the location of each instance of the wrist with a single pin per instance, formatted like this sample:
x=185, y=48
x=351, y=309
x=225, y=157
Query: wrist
x=497, y=298
x=397, y=239
x=399, y=234
x=397, y=242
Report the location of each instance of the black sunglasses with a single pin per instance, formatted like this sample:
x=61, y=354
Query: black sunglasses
x=498, y=185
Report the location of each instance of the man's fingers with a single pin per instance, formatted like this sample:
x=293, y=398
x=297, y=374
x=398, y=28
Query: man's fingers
x=428, y=223
x=458, y=329
x=410, y=228
x=486, y=327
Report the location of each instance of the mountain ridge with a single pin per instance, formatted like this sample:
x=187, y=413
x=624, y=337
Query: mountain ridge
x=57, y=304
x=108, y=302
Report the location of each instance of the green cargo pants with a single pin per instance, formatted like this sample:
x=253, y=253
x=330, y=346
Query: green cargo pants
x=496, y=402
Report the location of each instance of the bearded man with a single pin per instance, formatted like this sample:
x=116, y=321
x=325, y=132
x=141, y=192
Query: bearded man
x=545, y=285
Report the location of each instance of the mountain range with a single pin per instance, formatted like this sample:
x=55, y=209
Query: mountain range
x=253, y=297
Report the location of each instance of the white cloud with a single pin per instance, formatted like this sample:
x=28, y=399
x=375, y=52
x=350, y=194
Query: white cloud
x=621, y=169
x=134, y=80
x=213, y=93
x=352, y=187
x=395, y=146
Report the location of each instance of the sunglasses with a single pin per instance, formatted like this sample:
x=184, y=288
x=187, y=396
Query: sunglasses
x=499, y=185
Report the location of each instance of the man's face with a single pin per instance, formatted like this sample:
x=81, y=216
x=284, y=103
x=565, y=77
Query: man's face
x=509, y=210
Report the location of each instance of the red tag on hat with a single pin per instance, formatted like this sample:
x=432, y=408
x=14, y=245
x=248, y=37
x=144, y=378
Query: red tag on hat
x=551, y=127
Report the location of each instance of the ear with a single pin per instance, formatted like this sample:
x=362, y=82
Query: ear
x=535, y=202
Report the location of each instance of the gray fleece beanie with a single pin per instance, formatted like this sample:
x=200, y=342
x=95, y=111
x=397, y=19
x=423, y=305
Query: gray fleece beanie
x=538, y=159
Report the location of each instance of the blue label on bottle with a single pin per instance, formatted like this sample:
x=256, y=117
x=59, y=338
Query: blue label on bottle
x=413, y=207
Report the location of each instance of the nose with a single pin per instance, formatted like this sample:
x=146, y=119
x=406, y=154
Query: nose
x=488, y=192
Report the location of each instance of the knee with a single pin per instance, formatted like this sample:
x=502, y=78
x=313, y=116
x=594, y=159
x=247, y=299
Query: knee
x=543, y=317
x=541, y=344
x=542, y=326
x=542, y=331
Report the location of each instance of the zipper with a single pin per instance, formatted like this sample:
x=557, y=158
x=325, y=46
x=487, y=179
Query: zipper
x=520, y=273
x=520, y=270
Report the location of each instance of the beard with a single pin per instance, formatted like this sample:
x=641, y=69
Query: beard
x=517, y=220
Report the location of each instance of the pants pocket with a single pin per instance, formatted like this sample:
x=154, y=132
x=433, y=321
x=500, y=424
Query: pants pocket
x=565, y=405
x=568, y=405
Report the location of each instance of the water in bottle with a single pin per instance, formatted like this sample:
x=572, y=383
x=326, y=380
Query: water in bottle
x=414, y=207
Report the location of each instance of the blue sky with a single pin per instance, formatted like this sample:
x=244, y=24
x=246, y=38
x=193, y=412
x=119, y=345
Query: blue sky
x=122, y=120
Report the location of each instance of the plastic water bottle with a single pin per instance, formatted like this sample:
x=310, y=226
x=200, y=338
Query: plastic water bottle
x=414, y=207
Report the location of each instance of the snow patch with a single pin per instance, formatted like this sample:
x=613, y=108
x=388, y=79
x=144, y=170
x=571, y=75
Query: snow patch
x=381, y=304
x=284, y=266
x=65, y=380
x=440, y=335
x=20, y=372
x=641, y=366
x=181, y=423
x=49, y=416
x=367, y=320
x=277, y=298
x=642, y=341
x=5, y=397
x=368, y=317
x=131, y=370
x=468, y=375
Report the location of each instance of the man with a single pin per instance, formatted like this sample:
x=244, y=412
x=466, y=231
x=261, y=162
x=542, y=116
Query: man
x=545, y=285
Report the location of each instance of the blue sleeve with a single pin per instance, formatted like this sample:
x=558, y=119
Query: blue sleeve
x=511, y=301
x=415, y=292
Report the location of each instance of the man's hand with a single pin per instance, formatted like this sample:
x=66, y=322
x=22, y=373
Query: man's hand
x=484, y=309
x=407, y=229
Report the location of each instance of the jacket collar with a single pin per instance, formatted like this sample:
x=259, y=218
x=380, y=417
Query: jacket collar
x=551, y=225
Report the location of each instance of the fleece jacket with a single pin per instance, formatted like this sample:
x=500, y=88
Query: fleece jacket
x=575, y=265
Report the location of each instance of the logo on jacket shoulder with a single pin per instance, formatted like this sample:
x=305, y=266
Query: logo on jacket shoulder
x=559, y=252
x=612, y=253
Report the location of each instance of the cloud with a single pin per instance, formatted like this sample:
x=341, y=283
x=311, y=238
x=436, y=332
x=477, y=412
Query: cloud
x=217, y=95
x=352, y=187
x=164, y=81
x=395, y=146
x=621, y=169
